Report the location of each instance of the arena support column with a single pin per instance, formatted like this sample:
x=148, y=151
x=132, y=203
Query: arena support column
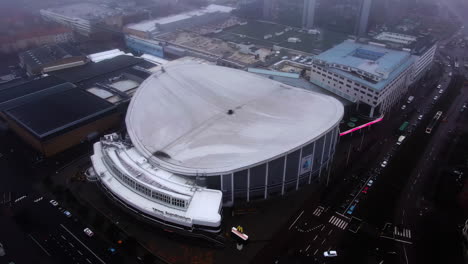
x=312, y=165
x=248, y=185
x=266, y=180
x=299, y=170
x=232, y=187
x=284, y=173
x=323, y=152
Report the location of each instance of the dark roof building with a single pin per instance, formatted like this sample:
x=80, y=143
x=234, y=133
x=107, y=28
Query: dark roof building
x=13, y=95
x=50, y=58
x=60, y=120
x=74, y=105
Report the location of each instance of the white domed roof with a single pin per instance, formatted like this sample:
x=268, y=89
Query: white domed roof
x=198, y=119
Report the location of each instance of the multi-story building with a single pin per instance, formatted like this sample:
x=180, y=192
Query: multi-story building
x=89, y=19
x=32, y=38
x=48, y=58
x=296, y=13
x=365, y=74
x=149, y=28
x=421, y=48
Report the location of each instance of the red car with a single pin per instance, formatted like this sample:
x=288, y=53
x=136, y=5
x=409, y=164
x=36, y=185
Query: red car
x=365, y=189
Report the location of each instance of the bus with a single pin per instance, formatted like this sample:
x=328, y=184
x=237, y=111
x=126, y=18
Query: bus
x=433, y=122
x=404, y=126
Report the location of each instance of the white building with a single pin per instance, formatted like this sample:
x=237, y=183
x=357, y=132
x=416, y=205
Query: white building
x=364, y=74
x=150, y=28
x=88, y=18
x=216, y=135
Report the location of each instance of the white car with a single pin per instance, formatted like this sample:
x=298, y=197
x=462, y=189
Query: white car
x=53, y=202
x=436, y=97
x=403, y=107
x=441, y=91
x=420, y=117
x=384, y=164
x=370, y=182
x=330, y=254
x=67, y=214
x=439, y=86
x=2, y=250
x=88, y=232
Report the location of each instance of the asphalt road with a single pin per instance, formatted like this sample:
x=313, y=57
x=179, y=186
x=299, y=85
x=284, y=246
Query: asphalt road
x=56, y=238
x=382, y=224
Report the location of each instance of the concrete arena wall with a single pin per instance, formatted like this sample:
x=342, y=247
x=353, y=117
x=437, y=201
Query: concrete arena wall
x=277, y=176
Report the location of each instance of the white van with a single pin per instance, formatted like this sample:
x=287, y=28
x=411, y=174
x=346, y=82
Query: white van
x=400, y=140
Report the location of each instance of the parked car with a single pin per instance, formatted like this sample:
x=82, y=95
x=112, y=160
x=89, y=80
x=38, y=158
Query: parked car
x=2, y=250
x=441, y=91
x=439, y=86
x=420, y=117
x=88, y=232
x=53, y=202
x=67, y=213
x=364, y=191
x=370, y=182
x=330, y=254
x=436, y=97
x=403, y=107
x=384, y=164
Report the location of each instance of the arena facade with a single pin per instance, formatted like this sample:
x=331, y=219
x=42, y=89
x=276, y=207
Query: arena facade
x=202, y=136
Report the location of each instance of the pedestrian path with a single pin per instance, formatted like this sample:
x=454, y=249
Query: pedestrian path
x=338, y=222
x=318, y=211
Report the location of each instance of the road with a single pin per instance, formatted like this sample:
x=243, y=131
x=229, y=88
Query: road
x=60, y=239
x=383, y=223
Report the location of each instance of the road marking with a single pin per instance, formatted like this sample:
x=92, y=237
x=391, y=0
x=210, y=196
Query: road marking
x=315, y=237
x=324, y=240
x=321, y=229
x=71, y=244
x=296, y=220
x=307, y=247
x=338, y=222
x=315, y=251
x=79, y=252
x=89, y=261
x=406, y=257
x=37, y=242
x=66, y=229
x=63, y=237
x=330, y=232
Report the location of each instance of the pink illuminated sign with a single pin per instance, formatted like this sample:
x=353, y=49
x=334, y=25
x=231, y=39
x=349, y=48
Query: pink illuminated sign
x=362, y=126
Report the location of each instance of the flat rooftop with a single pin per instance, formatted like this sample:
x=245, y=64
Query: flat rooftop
x=370, y=59
x=88, y=11
x=150, y=25
x=30, y=87
x=59, y=112
x=192, y=130
x=255, y=31
x=96, y=69
x=418, y=45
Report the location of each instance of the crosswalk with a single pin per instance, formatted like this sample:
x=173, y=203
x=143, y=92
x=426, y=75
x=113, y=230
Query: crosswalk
x=402, y=232
x=318, y=211
x=338, y=222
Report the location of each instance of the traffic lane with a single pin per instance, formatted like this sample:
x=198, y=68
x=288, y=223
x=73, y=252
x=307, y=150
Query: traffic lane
x=425, y=164
x=313, y=234
x=43, y=220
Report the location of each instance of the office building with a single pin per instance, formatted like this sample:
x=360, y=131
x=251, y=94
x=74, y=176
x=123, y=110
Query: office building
x=366, y=74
